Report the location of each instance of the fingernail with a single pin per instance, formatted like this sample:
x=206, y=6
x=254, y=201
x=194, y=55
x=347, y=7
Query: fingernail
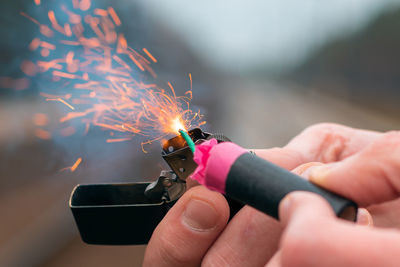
x=304, y=170
x=199, y=215
x=364, y=217
x=318, y=174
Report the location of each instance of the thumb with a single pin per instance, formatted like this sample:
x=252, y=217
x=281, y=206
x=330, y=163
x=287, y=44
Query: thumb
x=368, y=177
x=188, y=230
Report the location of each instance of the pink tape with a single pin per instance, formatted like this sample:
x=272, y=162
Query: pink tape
x=214, y=163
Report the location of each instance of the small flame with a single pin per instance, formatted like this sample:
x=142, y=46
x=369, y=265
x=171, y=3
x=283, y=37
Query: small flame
x=177, y=125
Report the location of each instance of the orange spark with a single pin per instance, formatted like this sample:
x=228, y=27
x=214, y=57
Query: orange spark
x=136, y=62
x=67, y=29
x=40, y=119
x=84, y=5
x=45, y=52
x=172, y=89
x=100, y=12
x=74, y=166
x=29, y=17
x=118, y=140
x=29, y=68
x=34, y=44
x=42, y=134
x=46, y=31
x=95, y=71
x=37, y=2
x=47, y=45
x=64, y=75
x=114, y=16
x=150, y=55
x=62, y=101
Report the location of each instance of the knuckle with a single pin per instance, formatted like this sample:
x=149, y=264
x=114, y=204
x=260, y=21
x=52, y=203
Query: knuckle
x=322, y=128
x=331, y=141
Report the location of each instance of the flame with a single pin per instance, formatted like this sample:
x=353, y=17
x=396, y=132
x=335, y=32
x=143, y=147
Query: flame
x=177, y=125
x=105, y=81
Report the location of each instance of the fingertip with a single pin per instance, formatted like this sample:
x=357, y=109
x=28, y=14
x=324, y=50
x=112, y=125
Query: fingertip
x=188, y=230
x=305, y=169
x=319, y=174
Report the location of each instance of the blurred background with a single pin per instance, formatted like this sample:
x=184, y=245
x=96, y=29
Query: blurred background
x=262, y=71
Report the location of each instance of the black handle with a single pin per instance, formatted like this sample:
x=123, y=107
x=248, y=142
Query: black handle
x=266, y=184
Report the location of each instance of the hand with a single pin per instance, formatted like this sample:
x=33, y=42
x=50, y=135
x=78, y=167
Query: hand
x=193, y=234
x=313, y=236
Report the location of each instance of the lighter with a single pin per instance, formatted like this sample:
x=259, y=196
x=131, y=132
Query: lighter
x=128, y=213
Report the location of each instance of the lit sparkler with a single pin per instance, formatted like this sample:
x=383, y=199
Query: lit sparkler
x=89, y=57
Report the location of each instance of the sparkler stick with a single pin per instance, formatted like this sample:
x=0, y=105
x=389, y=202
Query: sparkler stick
x=251, y=180
x=188, y=140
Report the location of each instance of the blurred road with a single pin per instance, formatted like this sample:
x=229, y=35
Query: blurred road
x=37, y=226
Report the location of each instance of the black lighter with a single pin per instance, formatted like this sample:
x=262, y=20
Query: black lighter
x=128, y=213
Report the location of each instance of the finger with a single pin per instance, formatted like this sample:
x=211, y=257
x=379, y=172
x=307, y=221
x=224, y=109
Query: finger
x=250, y=232
x=363, y=215
x=386, y=214
x=275, y=260
x=329, y=142
x=313, y=236
x=303, y=170
x=294, y=204
x=188, y=230
x=325, y=142
x=368, y=177
x=250, y=239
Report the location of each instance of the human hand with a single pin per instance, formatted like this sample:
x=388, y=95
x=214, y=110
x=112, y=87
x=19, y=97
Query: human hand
x=313, y=236
x=250, y=238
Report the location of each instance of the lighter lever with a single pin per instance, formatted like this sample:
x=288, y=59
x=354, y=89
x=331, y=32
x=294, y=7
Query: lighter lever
x=128, y=213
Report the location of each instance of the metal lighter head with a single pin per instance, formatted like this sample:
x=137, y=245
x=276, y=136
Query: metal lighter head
x=128, y=213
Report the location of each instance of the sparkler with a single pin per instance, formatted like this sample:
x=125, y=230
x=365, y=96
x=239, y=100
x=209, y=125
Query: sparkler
x=90, y=60
x=188, y=140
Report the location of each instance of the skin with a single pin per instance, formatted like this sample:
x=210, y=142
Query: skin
x=361, y=165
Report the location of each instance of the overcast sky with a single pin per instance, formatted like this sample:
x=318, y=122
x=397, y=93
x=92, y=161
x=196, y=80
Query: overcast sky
x=238, y=35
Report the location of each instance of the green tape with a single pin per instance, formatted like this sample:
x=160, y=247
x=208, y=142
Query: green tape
x=188, y=140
